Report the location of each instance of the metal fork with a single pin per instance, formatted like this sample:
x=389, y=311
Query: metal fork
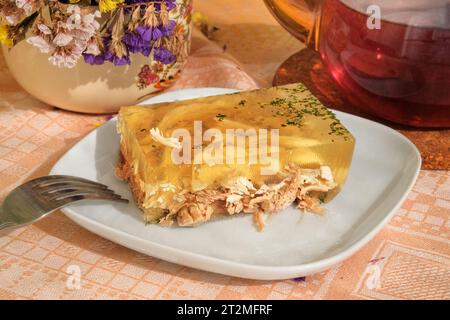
x=37, y=198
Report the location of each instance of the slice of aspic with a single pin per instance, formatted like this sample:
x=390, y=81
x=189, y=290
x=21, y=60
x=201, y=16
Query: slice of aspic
x=309, y=141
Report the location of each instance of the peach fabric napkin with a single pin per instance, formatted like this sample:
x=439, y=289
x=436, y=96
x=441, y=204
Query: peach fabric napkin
x=409, y=259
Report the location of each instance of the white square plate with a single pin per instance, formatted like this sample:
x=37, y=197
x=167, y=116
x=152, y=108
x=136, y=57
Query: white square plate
x=384, y=169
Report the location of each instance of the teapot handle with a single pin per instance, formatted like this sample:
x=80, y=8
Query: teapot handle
x=300, y=17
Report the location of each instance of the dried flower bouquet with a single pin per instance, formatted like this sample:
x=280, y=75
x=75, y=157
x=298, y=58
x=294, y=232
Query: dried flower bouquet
x=98, y=31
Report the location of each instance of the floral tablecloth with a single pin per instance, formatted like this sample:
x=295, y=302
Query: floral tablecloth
x=408, y=259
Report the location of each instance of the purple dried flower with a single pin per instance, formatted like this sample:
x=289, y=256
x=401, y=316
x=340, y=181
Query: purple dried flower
x=118, y=61
x=145, y=32
x=170, y=4
x=136, y=43
x=146, y=50
x=93, y=60
x=125, y=60
x=148, y=33
x=133, y=42
x=164, y=56
x=111, y=57
x=156, y=34
x=139, y=39
x=168, y=30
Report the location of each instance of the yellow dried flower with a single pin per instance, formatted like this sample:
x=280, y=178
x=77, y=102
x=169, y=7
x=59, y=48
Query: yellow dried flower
x=108, y=5
x=201, y=22
x=198, y=18
x=74, y=1
x=4, y=36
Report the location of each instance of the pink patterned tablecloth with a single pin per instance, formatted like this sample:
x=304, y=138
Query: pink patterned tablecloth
x=411, y=255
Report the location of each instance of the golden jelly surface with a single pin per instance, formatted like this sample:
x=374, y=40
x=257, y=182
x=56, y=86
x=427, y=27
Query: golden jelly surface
x=309, y=135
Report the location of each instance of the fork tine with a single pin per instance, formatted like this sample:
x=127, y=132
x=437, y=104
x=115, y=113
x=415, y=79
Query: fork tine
x=57, y=183
x=65, y=187
x=66, y=194
x=7, y=224
x=57, y=179
x=73, y=198
x=39, y=197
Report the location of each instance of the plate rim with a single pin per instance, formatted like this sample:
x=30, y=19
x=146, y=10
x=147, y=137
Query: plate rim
x=229, y=267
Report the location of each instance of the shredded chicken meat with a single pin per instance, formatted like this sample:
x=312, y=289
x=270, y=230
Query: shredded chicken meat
x=164, y=204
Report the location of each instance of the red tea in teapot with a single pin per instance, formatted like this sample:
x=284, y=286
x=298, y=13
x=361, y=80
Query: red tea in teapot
x=391, y=58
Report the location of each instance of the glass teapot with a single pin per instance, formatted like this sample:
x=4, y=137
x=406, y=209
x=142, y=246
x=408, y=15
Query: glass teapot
x=391, y=58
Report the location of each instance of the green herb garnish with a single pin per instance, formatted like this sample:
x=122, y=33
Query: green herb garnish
x=220, y=116
x=242, y=103
x=277, y=102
